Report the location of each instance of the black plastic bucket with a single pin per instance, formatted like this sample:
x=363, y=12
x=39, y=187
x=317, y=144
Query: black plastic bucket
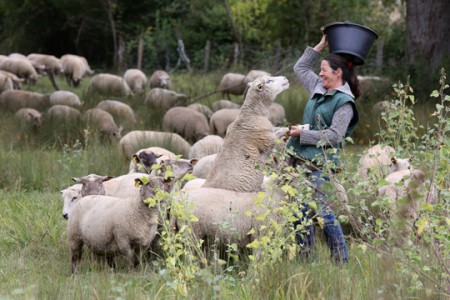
x=350, y=40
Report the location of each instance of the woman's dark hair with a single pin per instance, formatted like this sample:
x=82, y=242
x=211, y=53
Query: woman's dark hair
x=348, y=72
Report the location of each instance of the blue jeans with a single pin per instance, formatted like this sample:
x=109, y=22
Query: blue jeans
x=333, y=232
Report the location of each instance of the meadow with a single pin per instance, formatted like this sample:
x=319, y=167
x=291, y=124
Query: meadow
x=36, y=164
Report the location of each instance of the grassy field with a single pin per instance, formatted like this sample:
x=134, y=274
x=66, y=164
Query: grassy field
x=34, y=256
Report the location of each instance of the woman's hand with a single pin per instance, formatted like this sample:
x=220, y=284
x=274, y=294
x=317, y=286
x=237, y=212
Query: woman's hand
x=322, y=44
x=294, y=130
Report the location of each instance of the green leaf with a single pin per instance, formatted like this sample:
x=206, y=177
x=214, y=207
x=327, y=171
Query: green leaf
x=434, y=94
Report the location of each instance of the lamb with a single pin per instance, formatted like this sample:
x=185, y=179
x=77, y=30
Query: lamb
x=20, y=67
x=74, y=68
x=232, y=83
x=161, y=154
x=376, y=162
x=221, y=119
x=30, y=116
x=13, y=100
x=108, y=84
x=63, y=113
x=163, y=99
x=136, y=80
x=50, y=62
x=201, y=108
x=210, y=144
x=111, y=225
x=190, y=124
x=249, y=140
x=277, y=114
x=121, y=112
x=160, y=79
x=138, y=139
x=65, y=98
x=220, y=104
x=104, y=122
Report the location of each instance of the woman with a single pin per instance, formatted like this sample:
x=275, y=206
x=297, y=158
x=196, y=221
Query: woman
x=332, y=115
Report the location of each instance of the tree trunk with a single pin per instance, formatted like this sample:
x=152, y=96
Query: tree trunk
x=108, y=8
x=428, y=29
x=140, y=54
x=235, y=35
x=379, y=56
x=207, y=54
x=121, y=53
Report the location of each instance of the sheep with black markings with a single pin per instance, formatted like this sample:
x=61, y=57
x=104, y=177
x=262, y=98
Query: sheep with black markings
x=111, y=225
x=160, y=153
x=249, y=140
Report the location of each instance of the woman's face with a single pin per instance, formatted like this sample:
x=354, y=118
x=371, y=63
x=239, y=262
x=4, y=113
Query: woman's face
x=331, y=79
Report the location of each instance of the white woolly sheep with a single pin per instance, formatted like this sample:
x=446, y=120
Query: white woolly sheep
x=221, y=104
x=65, y=98
x=104, y=122
x=13, y=100
x=20, y=67
x=160, y=79
x=136, y=80
x=139, y=139
x=201, y=108
x=210, y=144
x=161, y=153
x=111, y=225
x=63, y=113
x=121, y=111
x=232, y=83
x=75, y=68
x=376, y=161
x=6, y=83
x=249, y=140
x=50, y=62
x=109, y=85
x=203, y=166
x=277, y=114
x=30, y=116
x=190, y=124
x=160, y=98
x=221, y=119
x=17, y=82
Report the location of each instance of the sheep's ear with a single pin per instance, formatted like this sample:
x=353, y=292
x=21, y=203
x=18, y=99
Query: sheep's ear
x=76, y=179
x=136, y=159
x=106, y=178
x=259, y=86
x=138, y=182
x=394, y=160
x=158, y=155
x=411, y=158
x=194, y=161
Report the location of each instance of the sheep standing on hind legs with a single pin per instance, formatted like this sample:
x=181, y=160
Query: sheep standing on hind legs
x=249, y=140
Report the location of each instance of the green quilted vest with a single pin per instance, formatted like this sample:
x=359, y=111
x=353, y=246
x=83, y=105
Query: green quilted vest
x=319, y=113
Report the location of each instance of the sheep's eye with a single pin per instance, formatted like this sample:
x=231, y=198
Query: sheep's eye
x=259, y=86
x=74, y=198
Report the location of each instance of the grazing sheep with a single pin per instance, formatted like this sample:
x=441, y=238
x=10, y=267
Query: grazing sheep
x=13, y=100
x=210, y=144
x=249, y=140
x=104, y=122
x=160, y=79
x=201, y=108
x=65, y=98
x=20, y=67
x=160, y=98
x=376, y=162
x=161, y=154
x=136, y=80
x=121, y=112
x=138, y=139
x=17, y=82
x=111, y=225
x=232, y=83
x=6, y=83
x=50, y=62
x=221, y=119
x=74, y=69
x=190, y=124
x=221, y=104
x=254, y=74
x=277, y=114
x=30, y=116
x=203, y=166
x=63, y=113
x=109, y=85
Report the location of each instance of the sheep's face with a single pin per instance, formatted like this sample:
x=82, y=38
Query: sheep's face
x=269, y=86
x=92, y=184
x=399, y=164
x=145, y=160
x=70, y=196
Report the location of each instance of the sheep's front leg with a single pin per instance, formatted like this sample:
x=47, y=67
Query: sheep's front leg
x=76, y=250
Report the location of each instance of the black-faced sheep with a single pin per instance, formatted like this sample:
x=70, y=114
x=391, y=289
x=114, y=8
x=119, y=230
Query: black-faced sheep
x=221, y=119
x=210, y=144
x=160, y=152
x=139, y=139
x=136, y=80
x=111, y=225
x=29, y=116
x=160, y=79
x=108, y=85
x=160, y=98
x=249, y=140
x=104, y=122
x=121, y=111
x=232, y=83
x=13, y=100
x=190, y=124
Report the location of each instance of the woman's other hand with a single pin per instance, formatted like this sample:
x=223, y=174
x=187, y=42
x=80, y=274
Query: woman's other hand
x=322, y=44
